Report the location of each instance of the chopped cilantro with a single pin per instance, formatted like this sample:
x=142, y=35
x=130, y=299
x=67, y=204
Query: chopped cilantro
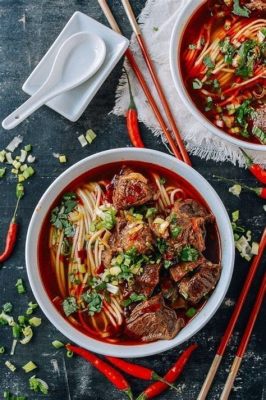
x=228, y=50
x=161, y=245
x=134, y=297
x=191, y=312
x=239, y=10
x=38, y=385
x=208, y=62
x=7, y=307
x=70, y=305
x=175, y=231
x=189, y=253
x=94, y=301
x=192, y=46
x=151, y=212
x=59, y=215
x=209, y=104
x=247, y=54
x=167, y=264
x=162, y=180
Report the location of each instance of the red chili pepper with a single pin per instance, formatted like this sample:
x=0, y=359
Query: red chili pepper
x=114, y=376
x=255, y=169
x=11, y=237
x=132, y=120
x=159, y=387
x=260, y=191
x=138, y=371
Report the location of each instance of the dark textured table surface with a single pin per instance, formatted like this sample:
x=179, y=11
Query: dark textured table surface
x=27, y=29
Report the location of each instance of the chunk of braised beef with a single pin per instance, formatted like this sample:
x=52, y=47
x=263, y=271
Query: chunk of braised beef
x=148, y=280
x=259, y=119
x=137, y=235
x=201, y=283
x=171, y=294
x=131, y=189
x=183, y=268
x=152, y=320
x=191, y=208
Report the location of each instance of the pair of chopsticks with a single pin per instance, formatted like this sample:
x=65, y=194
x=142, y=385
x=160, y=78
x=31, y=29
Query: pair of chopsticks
x=230, y=327
x=177, y=146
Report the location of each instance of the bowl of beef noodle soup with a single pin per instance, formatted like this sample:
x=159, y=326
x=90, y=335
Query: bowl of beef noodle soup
x=217, y=58
x=129, y=252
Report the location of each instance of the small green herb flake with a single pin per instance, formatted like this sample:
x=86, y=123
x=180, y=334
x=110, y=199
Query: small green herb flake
x=2, y=172
x=57, y=344
x=235, y=216
x=7, y=307
x=30, y=366
x=134, y=297
x=20, y=286
x=70, y=306
x=209, y=104
x=90, y=136
x=208, y=62
x=189, y=253
x=191, y=312
x=162, y=180
x=155, y=29
x=175, y=231
x=94, y=301
x=38, y=385
x=197, y=84
x=192, y=46
x=239, y=10
x=59, y=215
x=2, y=350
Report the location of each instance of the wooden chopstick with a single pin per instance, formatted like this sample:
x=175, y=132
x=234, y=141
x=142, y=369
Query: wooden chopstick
x=156, y=81
x=130, y=57
x=244, y=341
x=232, y=322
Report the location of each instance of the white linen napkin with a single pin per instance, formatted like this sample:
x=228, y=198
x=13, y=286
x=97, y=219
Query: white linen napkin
x=157, y=20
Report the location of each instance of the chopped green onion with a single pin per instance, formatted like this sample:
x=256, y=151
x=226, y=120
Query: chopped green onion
x=188, y=253
x=2, y=350
x=255, y=248
x=2, y=172
x=235, y=190
x=151, y=212
x=32, y=306
x=16, y=330
x=175, y=231
x=10, y=366
x=57, y=344
x=2, y=155
x=197, y=84
x=16, y=164
x=38, y=385
x=6, y=318
x=28, y=172
x=90, y=136
x=10, y=396
x=191, y=312
x=30, y=366
x=82, y=140
x=21, y=178
x=235, y=216
x=70, y=305
x=20, y=192
x=23, y=155
x=28, y=147
x=13, y=348
x=20, y=286
x=7, y=307
x=62, y=159
x=9, y=158
x=69, y=354
x=28, y=334
x=22, y=320
x=34, y=321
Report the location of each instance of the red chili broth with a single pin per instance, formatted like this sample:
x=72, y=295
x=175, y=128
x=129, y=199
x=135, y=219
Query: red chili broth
x=106, y=172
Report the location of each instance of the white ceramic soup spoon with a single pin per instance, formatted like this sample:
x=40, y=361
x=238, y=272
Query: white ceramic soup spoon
x=79, y=57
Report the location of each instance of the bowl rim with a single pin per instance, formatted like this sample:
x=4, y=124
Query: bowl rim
x=126, y=154
x=176, y=38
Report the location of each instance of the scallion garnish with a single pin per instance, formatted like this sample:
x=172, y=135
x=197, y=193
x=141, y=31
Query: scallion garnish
x=57, y=344
x=19, y=284
x=30, y=366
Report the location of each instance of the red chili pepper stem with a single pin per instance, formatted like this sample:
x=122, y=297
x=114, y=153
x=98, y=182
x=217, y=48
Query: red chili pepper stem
x=156, y=377
x=255, y=169
x=248, y=159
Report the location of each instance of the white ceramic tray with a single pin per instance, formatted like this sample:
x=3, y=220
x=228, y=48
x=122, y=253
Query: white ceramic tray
x=72, y=104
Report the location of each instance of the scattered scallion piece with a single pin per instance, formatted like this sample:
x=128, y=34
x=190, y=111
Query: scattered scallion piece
x=31, y=306
x=28, y=147
x=35, y=321
x=2, y=155
x=15, y=142
x=57, y=344
x=254, y=248
x=82, y=140
x=22, y=320
x=7, y=307
x=10, y=366
x=9, y=396
x=235, y=190
x=62, y=158
x=69, y=354
x=38, y=385
x=2, y=349
x=5, y=318
x=16, y=330
x=191, y=312
x=90, y=136
x=28, y=334
x=235, y=216
x=2, y=172
x=20, y=286
x=30, y=366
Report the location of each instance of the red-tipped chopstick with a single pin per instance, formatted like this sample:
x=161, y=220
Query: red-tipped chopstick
x=156, y=81
x=234, y=317
x=107, y=12
x=244, y=341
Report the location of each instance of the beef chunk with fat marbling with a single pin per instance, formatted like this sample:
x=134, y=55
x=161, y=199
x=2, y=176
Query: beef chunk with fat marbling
x=201, y=283
x=153, y=320
x=137, y=235
x=259, y=118
x=148, y=280
x=131, y=189
x=183, y=268
x=191, y=208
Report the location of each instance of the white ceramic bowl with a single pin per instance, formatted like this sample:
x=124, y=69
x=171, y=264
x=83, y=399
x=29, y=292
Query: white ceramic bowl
x=175, y=45
x=125, y=154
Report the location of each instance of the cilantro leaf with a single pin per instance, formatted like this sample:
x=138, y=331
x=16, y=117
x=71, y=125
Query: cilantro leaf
x=189, y=253
x=239, y=10
x=208, y=62
x=94, y=301
x=70, y=305
x=134, y=297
